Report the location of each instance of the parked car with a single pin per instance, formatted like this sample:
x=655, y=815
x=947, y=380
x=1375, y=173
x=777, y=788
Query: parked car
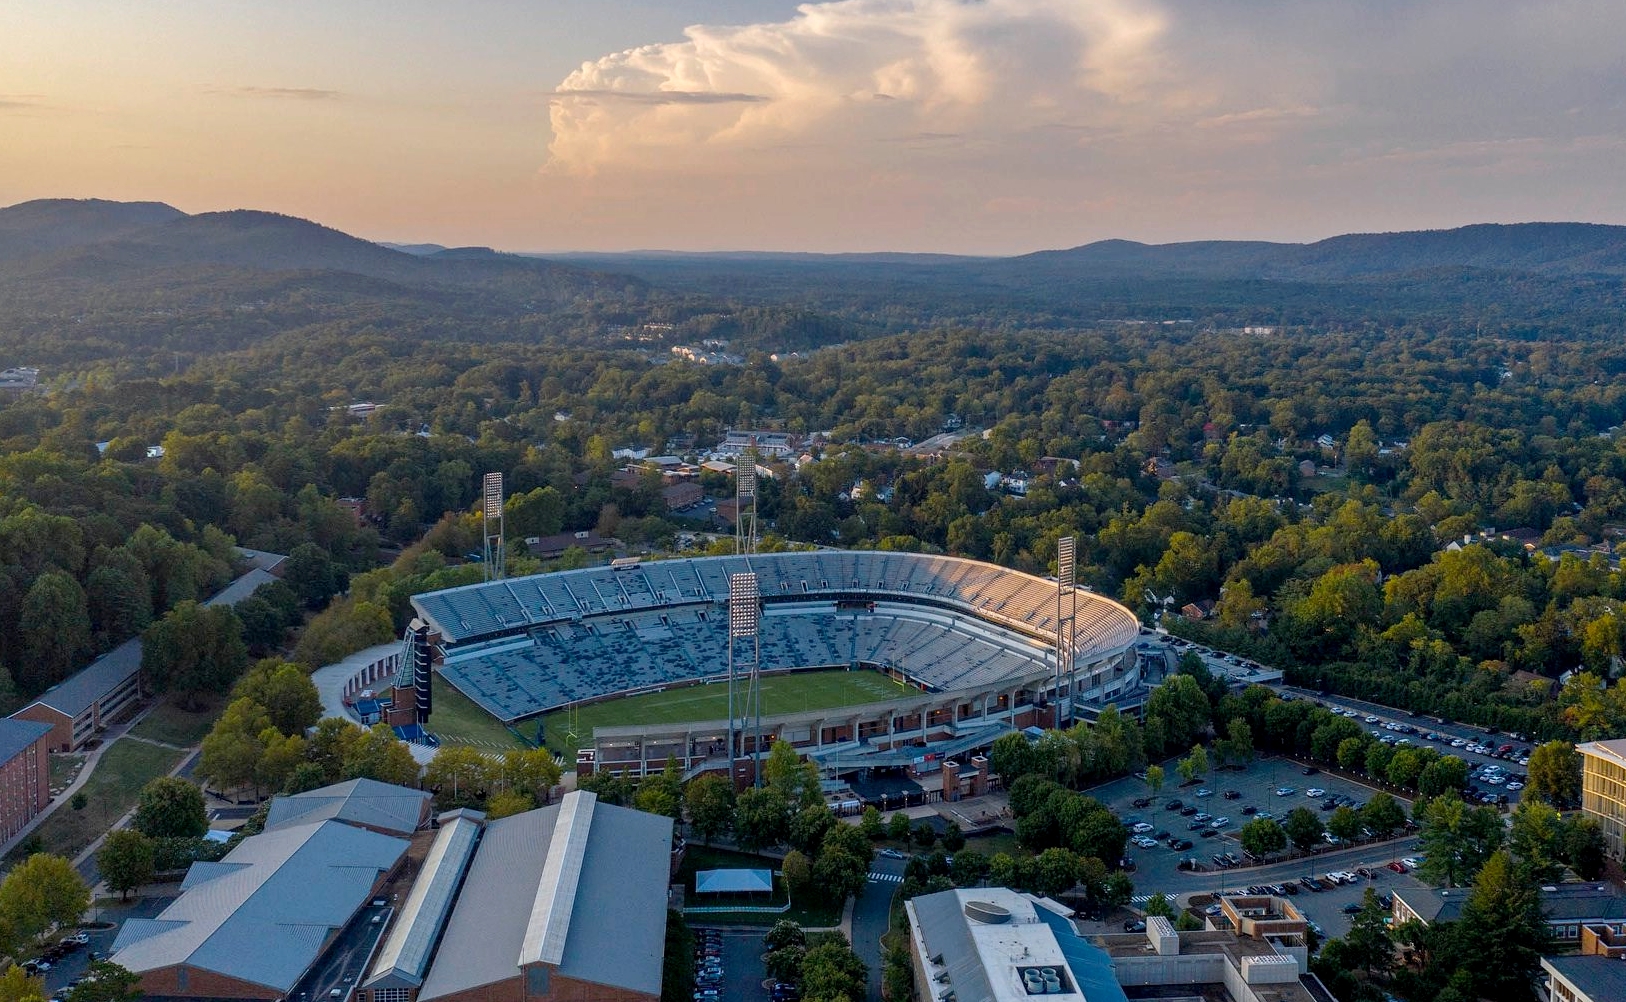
x=1134, y=925
x=1233, y=794
x=1285, y=791
x=1309, y=770
x=1173, y=805
x=1204, y=792
x=1312, y=792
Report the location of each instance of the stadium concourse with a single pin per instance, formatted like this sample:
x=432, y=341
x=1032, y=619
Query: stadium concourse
x=974, y=642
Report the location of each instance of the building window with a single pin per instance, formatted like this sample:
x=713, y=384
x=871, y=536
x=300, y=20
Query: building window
x=392, y=995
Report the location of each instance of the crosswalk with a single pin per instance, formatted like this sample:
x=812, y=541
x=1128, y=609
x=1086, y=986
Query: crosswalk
x=1140, y=899
x=886, y=878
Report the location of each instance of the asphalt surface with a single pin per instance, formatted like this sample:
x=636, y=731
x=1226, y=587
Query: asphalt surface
x=743, y=973
x=344, y=963
x=75, y=964
x=871, y=913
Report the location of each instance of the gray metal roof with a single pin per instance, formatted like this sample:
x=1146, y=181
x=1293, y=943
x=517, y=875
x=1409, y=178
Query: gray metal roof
x=357, y=801
x=15, y=735
x=263, y=914
x=78, y=692
x=1598, y=978
x=942, y=923
x=615, y=931
x=242, y=588
x=406, y=951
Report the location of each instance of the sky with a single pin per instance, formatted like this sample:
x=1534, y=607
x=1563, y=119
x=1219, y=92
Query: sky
x=964, y=126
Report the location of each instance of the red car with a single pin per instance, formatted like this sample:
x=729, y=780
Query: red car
x=1398, y=867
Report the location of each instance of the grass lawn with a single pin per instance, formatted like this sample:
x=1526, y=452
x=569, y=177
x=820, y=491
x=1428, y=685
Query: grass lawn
x=64, y=767
x=183, y=728
x=816, y=690
x=112, y=789
x=458, y=720
x=1003, y=842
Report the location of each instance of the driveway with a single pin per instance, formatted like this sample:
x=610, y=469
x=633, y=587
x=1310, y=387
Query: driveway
x=871, y=915
x=743, y=973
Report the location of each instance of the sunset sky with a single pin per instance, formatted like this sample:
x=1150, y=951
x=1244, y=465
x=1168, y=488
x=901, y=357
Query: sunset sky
x=978, y=126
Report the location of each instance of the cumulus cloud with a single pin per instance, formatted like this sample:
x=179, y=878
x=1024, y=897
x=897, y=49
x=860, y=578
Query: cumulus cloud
x=864, y=69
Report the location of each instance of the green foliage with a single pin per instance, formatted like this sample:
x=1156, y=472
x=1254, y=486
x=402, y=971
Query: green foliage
x=170, y=807
x=194, y=649
x=1303, y=828
x=1555, y=774
x=710, y=802
x=125, y=860
x=1457, y=839
x=42, y=892
x=1262, y=837
x=677, y=967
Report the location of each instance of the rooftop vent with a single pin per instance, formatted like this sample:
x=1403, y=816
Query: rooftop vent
x=987, y=912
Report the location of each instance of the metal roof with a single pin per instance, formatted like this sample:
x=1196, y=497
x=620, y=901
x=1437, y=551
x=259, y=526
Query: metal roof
x=263, y=914
x=357, y=801
x=733, y=881
x=615, y=931
x=1597, y=978
x=15, y=735
x=242, y=588
x=405, y=955
x=555, y=900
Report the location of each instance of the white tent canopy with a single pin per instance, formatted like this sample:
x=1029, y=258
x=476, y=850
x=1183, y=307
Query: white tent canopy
x=733, y=881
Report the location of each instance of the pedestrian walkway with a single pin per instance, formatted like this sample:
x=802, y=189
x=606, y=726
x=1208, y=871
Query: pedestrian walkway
x=886, y=878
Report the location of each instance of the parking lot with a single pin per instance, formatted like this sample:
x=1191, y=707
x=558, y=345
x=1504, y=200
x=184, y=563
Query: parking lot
x=1157, y=869
x=743, y=974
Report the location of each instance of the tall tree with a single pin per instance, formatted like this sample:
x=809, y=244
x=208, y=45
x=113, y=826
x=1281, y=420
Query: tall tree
x=710, y=801
x=378, y=754
x=42, y=892
x=170, y=807
x=1502, y=933
x=54, y=629
x=287, y=693
x=1555, y=774
x=194, y=649
x=125, y=860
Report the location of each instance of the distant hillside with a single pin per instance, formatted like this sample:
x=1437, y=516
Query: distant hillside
x=50, y=224
x=1542, y=248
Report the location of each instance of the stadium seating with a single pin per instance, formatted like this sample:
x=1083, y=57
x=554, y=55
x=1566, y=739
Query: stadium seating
x=528, y=645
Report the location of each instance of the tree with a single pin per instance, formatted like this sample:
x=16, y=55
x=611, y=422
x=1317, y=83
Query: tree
x=232, y=750
x=170, y=808
x=831, y=971
x=1457, y=839
x=1057, y=872
x=1345, y=824
x=193, y=649
x=1352, y=754
x=1503, y=932
x=1368, y=945
x=460, y=776
x=508, y=803
x=1262, y=837
x=969, y=867
x=710, y=802
x=839, y=874
x=798, y=872
x=105, y=981
x=871, y=825
x=287, y=693
x=1011, y=757
x=1584, y=847
x=662, y=793
x=54, y=629
x=312, y=575
x=677, y=968
x=1158, y=905
x=125, y=860
x=378, y=754
x=897, y=827
x=1154, y=778
x=1237, y=746
x=331, y=743
x=531, y=771
x=1303, y=828
x=761, y=818
x=1194, y=764
x=796, y=779
x=1383, y=814
x=1537, y=838
x=17, y=986
x=42, y=892
x=1117, y=889
x=784, y=933
x=1182, y=707
x=1555, y=774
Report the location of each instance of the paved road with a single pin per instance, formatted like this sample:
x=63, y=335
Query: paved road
x=344, y=963
x=871, y=912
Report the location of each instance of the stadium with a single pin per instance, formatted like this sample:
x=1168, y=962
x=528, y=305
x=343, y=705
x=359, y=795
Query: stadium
x=924, y=658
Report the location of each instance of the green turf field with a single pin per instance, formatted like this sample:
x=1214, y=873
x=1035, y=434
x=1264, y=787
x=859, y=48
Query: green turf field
x=458, y=720
x=814, y=690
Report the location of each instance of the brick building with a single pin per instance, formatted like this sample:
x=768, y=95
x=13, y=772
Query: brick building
x=25, y=773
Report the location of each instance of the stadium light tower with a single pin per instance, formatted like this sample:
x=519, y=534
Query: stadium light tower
x=744, y=622
x=1066, y=621
x=496, y=556
x=745, y=505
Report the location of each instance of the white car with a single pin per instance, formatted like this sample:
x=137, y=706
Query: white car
x=1285, y=791
x=1457, y=742
x=1312, y=793
x=1410, y=863
x=1219, y=823
x=1205, y=793
x=1524, y=760
x=1514, y=786
x=1142, y=828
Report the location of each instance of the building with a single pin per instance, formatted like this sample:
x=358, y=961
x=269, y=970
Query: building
x=997, y=945
x=566, y=902
x=251, y=925
x=682, y=495
x=770, y=444
x=365, y=803
x=1568, y=907
x=1595, y=974
x=80, y=706
x=86, y=703
x=1603, y=790
x=25, y=774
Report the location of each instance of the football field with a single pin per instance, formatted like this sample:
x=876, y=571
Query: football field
x=568, y=730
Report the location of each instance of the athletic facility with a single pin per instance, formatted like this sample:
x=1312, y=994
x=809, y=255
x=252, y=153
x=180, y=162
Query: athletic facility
x=971, y=650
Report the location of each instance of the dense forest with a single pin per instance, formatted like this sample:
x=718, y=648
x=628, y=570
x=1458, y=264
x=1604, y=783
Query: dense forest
x=1306, y=469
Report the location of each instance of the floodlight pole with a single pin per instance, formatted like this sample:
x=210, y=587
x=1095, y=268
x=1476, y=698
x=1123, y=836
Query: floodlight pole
x=1066, y=575
x=745, y=505
x=744, y=622
x=496, y=557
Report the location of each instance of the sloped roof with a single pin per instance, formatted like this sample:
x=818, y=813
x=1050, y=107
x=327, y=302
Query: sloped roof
x=75, y=694
x=357, y=801
x=405, y=955
x=733, y=881
x=263, y=913
x=15, y=735
x=610, y=862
